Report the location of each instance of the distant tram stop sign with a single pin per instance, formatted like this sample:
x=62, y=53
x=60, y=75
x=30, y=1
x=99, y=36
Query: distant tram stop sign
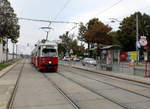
x=143, y=41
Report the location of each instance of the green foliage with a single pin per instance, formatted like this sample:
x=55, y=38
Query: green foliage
x=127, y=33
x=114, y=36
x=2, y=66
x=8, y=21
x=69, y=43
x=82, y=30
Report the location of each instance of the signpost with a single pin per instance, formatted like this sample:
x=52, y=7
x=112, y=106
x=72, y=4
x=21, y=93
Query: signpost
x=143, y=42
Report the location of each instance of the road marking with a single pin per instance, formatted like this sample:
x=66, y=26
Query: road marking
x=1, y=105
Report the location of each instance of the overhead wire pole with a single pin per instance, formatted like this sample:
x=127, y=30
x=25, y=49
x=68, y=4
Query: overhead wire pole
x=137, y=35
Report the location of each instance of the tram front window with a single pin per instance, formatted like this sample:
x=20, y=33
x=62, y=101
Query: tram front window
x=49, y=52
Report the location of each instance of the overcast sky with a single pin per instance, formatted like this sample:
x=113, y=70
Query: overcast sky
x=69, y=10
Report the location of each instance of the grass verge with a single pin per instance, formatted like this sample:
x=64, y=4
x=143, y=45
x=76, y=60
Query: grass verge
x=4, y=65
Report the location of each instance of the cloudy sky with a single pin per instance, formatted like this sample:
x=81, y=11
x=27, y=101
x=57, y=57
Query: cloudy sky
x=69, y=10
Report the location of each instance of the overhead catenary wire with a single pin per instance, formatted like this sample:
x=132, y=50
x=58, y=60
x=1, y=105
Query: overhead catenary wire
x=60, y=11
x=58, y=14
x=101, y=12
x=49, y=21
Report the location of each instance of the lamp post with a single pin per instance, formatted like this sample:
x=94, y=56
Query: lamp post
x=114, y=20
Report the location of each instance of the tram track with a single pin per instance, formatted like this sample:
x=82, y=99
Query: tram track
x=112, y=77
x=85, y=76
x=67, y=74
x=87, y=88
x=97, y=93
x=109, y=75
x=62, y=93
x=137, y=83
x=11, y=101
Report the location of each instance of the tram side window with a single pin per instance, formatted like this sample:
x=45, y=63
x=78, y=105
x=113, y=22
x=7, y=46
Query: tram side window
x=49, y=52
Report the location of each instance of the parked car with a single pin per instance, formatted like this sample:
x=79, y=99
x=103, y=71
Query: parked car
x=76, y=59
x=66, y=59
x=89, y=61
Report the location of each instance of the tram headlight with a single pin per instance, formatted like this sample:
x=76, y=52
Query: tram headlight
x=50, y=62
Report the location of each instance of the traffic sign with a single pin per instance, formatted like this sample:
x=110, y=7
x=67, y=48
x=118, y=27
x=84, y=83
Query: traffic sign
x=143, y=41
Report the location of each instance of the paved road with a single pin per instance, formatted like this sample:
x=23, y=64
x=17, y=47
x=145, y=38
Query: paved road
x=130, y=94
x=8, y=78
x=35, y=92
x=84, y=90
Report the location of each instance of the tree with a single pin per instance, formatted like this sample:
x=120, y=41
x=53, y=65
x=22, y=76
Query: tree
x=114, y=36
x=81, y=33
x=95, y=32
x=127, y=32
x=68, y=43
x=98, y=33
x=8, y=21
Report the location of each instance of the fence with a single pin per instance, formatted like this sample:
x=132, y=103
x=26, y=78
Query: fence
x=123, y=68
x=127, y=68
x=4, y=59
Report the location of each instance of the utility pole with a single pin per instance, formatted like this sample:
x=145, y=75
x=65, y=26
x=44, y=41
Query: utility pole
x=7, y=50
x=137, y=35
x=13, y=49
x=16, y=50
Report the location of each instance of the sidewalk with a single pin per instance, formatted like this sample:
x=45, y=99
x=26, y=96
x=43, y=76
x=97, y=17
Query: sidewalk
x=3, y=71
x=7, y=84
x=125, y=76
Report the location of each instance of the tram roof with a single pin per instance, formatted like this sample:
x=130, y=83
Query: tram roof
x=46, y=42
x=42, y=43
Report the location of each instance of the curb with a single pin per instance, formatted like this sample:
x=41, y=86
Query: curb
x=4, y=103
x=134, y=79
x=7, y=69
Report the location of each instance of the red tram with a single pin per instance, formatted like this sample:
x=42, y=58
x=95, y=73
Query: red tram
x=45, y=55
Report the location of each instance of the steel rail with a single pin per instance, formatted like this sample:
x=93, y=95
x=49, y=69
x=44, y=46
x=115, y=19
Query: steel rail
x=117, y=79
x=137, y=83
x=112, y=85
x=62, y=92
x=99, y=94
x=11, y=101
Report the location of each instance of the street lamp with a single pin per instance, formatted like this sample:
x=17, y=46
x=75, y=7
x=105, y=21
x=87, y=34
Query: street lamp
x=113, y=20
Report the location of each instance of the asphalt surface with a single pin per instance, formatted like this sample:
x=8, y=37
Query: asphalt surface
x=8, y=78
x=72, y=87
x=35, y=92
x=130, y=94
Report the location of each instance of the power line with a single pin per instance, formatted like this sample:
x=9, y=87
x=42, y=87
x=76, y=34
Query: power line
x=101, y=12
x=48, y=21
x=60, y=11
